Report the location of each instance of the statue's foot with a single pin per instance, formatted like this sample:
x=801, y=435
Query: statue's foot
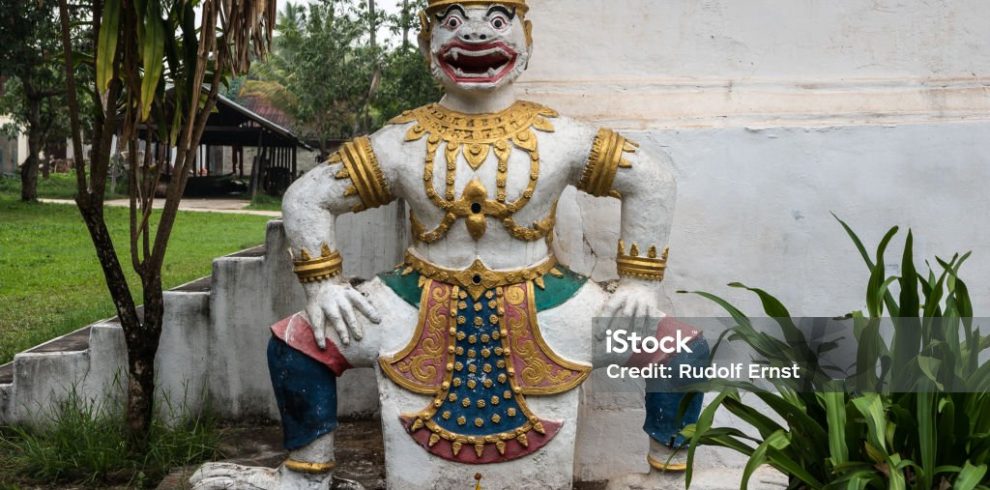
x=666, y=459
x=217, y=476
x=224, y=476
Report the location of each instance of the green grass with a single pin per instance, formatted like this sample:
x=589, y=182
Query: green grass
x=264, y=202
x=56, y=186
x=52, y=284
x=86, y=445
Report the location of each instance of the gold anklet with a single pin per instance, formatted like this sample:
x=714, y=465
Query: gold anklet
x=310, y=468
x=666, y=467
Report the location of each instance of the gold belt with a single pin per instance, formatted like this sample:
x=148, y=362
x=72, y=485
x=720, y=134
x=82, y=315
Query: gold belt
x=479, y=278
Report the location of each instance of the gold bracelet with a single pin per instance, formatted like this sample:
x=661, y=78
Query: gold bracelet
x=651, y=267
x=607, y=156
x=366, y=176
x=328, y=265
x=310, y=468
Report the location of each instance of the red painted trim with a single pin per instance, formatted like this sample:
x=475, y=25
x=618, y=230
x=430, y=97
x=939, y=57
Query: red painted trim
x=297, y=333
x=513, y=449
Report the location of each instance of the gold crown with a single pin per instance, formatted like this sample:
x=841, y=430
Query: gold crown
x=436, y=4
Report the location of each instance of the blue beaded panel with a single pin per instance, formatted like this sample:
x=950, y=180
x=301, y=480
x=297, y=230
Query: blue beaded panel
x=480, y=400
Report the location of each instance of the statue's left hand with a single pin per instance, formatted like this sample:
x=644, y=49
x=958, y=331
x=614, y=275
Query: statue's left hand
x=635, y=306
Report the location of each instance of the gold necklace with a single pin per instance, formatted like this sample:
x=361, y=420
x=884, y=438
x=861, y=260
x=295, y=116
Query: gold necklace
x=476, y=136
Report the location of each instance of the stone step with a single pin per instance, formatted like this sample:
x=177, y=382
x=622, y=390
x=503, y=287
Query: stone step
x=71, y=342
x=7, y=373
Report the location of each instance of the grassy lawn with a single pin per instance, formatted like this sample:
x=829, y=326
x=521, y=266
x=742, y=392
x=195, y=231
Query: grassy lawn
x=264, y=202
x=56, y=186
x=51, y=283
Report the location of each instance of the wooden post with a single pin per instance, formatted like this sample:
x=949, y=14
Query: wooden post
x=295, y=165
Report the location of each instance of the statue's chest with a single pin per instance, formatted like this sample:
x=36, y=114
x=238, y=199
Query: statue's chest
x=481, y=168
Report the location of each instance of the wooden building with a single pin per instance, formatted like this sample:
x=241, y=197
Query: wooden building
x=221, y=158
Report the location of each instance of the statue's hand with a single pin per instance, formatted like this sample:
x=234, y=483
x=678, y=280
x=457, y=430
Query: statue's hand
x=336, y=302
x=635, y=307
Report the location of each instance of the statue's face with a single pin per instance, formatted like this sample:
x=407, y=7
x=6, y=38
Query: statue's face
x=477, y=47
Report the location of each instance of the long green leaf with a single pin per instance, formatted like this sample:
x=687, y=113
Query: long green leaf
x=875, y=296
x=856, y=241
x=765, y=425
x=703, y=424
x=888, y=298
x=970, y=477
x=759, y=456
x=926, y=436
x=153, y=54
x=107, y=44
x=797, y=419
x=908, y=306
x=835, y=416
x=870, y=405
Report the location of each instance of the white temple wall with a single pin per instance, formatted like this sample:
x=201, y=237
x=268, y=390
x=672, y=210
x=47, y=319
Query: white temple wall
x=776, y=113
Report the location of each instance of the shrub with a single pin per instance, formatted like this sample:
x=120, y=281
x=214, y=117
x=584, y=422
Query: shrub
x=914, y=413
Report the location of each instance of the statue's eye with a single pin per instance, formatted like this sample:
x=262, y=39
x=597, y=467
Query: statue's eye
x=499, y=22
x=452, y=22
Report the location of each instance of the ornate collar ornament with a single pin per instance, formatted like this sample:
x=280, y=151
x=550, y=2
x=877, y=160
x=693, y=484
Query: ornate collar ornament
x=476, y=136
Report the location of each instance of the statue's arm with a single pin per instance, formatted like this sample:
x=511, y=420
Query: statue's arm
x=644, y=182
x=352, y=180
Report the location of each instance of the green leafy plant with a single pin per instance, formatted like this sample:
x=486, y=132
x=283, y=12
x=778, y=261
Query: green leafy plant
x=913, y=413
x=86, y=443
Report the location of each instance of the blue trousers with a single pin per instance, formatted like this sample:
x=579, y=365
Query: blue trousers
x=665, y=396
x=306, y=392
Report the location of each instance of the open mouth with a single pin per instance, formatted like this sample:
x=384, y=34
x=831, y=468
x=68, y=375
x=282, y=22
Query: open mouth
x=477, y=63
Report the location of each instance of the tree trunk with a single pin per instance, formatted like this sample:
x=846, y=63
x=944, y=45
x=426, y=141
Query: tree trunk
x=141, y=373
x=405, y=24
x=29, y=177
x=142, y=346
x=373, y=28
x=29, y=171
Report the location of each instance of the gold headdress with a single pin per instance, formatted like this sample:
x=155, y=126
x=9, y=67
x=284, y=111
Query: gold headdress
x=438, y=4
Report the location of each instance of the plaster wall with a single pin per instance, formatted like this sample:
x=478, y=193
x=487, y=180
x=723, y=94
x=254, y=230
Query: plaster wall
x=784, y=39
x=722, y=63
x=776, y=113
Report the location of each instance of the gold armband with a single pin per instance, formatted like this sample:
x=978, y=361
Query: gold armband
x=606, y=159
x=361, y=167
x=310, y=468
x=328, y=265
x=651, y=267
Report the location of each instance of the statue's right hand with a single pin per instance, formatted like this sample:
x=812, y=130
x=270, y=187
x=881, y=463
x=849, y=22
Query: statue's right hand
x=336, y=302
